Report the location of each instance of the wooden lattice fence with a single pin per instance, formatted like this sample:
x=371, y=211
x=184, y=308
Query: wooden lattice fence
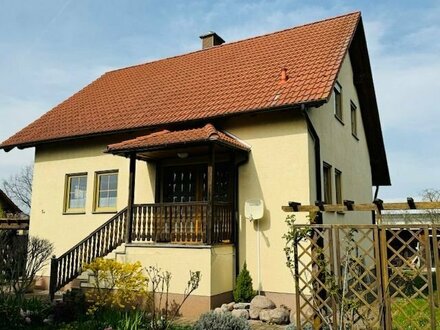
x=367, y=276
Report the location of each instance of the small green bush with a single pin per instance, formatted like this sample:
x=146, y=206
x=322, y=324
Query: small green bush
x=221, y=321
x=243, y=291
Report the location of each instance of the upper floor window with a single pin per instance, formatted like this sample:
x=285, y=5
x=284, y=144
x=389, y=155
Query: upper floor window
x=106, y=191
x=337, y=90
x=354, y=128
x=327, y=173
x=338, y=186
x=76, y=189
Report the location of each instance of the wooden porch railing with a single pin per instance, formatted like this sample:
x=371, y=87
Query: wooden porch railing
x=184, y=223
x=181, y=222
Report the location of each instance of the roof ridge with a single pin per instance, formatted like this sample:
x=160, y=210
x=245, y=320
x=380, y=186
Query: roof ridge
x=237, y=41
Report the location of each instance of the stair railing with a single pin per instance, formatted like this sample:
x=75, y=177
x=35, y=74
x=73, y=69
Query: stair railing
x=99, y=243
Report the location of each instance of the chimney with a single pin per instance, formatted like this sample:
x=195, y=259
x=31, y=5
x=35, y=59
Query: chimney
x=211, y=39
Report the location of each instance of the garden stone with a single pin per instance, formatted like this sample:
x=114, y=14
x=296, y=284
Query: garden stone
x=265, y=315
x=279, y=315
x=231, y=306
x=262, y=302
x=254, y=313
x=225, y=308
x=242, y=306
x=218, y=310
x=243, y=313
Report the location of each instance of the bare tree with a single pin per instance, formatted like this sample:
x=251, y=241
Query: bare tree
x=19, y=187
x=21, y=258
x=432, y=195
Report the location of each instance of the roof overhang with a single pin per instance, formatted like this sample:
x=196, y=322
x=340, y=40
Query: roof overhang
x=363, y=81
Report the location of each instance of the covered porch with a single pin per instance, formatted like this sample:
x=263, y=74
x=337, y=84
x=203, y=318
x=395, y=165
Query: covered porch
x=195, y=189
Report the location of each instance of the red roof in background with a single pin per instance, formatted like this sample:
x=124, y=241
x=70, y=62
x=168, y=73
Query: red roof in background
x=166, y=138
x=229, y=79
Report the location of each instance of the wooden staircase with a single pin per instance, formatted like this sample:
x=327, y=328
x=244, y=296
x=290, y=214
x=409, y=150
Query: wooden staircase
x=98, y=244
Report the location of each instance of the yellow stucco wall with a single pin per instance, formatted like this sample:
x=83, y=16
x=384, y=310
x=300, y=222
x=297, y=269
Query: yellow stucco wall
x=52, y=163
x=343, y=151
x=214, y=263
x=277, y=172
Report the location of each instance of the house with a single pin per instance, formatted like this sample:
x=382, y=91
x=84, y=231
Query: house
x=158, y=159
x=7, y=206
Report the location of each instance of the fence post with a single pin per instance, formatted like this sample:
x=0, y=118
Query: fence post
x=384, y=275
x=53, y=277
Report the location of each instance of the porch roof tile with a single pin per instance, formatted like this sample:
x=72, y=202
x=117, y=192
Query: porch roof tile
x=168, y=139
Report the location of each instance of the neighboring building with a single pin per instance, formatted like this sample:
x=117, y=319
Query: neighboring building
x=185, y=141
x=7, y=206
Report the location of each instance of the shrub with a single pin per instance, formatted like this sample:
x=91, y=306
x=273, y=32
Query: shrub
x=72, y=308
x=221, y=321
x=17, y=312
x=162, y=317
x=116, y=285
x=243, y=291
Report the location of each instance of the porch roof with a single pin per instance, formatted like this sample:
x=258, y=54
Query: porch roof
x=166, y=139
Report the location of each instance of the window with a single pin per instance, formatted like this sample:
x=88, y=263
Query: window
x=354, y=129
x=338, y=101
x=327, y=170
x=76, y=189
x=106, y=191
x=338, y=186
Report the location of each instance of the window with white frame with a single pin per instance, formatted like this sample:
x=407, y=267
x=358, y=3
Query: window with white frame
x=327, y=180
x=354, y=125
x=76, y=190
x=338, y=186
x=106, y=191
x=337, y=91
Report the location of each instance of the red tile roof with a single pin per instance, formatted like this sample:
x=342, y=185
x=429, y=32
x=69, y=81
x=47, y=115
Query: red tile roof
x=223, y=80
x=166, y=138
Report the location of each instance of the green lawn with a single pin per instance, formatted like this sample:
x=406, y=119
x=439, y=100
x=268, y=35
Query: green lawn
x=413, y=314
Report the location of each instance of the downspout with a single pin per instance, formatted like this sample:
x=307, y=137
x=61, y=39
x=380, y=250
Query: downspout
x=317, y=150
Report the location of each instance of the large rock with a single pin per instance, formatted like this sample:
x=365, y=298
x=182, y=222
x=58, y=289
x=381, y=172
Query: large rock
x=218, y=310
x=265, y=315
x=225, y=308
x=242, y=306
x=279, y=315
x=254, y=313
x=262, y=302
x=243, y=313
x=231, y=306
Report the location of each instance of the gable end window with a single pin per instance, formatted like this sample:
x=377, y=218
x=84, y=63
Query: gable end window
x=327, y=176
x=106, y=191
x=75, y=195
x=354, y=126
x=337, y=90
x=338, y=186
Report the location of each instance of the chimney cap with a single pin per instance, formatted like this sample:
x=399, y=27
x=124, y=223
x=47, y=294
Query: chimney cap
x=211, y=39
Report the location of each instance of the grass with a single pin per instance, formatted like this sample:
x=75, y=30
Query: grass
x=413, y=313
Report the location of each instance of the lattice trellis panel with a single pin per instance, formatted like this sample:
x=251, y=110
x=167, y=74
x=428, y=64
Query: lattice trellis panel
x=367, y=276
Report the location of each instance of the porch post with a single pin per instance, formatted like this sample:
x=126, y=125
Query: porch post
x=210, y=179
x=131, y=184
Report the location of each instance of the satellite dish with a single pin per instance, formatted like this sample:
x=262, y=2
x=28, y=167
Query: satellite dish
x=254, y=209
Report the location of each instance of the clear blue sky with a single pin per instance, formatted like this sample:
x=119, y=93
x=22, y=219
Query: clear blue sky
x=50, y=49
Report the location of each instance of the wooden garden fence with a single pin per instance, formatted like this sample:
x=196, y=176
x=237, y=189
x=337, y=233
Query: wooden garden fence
x=378, y=276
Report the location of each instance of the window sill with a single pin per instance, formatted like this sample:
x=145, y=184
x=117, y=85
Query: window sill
x=105, y=212
x=340, y=120
x=74, y=212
